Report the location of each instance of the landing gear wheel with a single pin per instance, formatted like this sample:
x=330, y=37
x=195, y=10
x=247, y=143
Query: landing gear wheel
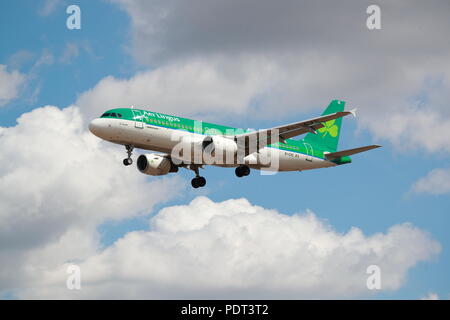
x=242, y=171
x=202, y=181
x=127, y=161
x=198, y=182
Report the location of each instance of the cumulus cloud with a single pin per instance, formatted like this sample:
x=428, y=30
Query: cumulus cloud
x=10, y=84
x=435, y=182
x=165, y=31
x=59, y=182
x=412, y=128
x=185, y=88
x=234, y=249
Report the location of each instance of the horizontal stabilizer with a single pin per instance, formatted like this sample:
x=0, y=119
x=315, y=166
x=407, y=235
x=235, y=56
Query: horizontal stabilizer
x=349, y=152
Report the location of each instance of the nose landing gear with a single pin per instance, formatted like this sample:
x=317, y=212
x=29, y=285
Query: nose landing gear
x=128, y=161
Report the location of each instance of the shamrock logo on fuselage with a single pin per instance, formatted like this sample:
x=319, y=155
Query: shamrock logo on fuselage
x=329, y=128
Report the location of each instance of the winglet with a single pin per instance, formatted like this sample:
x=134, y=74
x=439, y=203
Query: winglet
x=353, y=112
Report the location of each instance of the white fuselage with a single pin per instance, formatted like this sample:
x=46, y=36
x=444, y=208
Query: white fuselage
x=151, y=137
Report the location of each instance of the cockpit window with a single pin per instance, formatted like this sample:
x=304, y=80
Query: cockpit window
x=111, y=114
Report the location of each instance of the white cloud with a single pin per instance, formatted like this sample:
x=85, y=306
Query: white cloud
x=10, y=84
x=186, y=87
x=59, y=182
x=164, y=31
x=413, y=128
x=435, y=182
x=233, y=249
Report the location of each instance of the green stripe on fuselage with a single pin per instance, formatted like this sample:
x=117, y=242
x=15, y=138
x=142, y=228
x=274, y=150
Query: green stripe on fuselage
x=205, y=128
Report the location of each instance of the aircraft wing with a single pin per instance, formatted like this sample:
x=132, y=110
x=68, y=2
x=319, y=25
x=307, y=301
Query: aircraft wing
x=261, y=138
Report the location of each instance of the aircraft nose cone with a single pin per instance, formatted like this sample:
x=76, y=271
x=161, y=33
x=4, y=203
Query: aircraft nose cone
x=95, y=126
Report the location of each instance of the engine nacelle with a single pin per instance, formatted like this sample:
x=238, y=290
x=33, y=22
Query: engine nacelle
x=155, y=164
x=220, y=148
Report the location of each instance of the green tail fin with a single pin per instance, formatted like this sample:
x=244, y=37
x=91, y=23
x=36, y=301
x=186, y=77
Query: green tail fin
x=328, y=136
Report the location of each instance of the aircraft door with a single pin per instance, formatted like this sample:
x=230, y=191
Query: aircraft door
x=138, y=119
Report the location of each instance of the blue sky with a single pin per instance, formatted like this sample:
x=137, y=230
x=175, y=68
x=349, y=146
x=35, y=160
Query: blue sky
x=373, y=193
x=39, y=34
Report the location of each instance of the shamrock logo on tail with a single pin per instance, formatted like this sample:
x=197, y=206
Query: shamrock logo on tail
x=329, y=128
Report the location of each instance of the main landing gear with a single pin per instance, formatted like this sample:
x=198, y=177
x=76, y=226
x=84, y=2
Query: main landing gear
x=242, y=171
x=128, y=161
x=198, y=181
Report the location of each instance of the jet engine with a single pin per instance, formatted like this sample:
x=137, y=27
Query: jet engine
x=155, y=164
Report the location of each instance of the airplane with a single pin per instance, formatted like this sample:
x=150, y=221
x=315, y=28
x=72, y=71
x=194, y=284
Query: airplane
x=191, y=144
